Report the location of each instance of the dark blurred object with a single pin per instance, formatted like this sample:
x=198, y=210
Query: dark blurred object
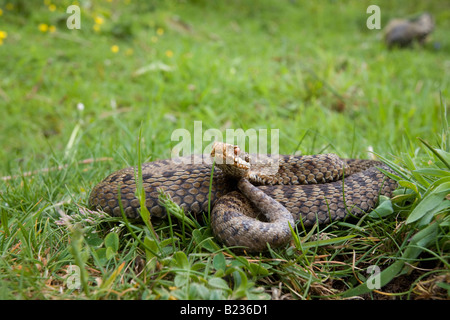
x=402, y=32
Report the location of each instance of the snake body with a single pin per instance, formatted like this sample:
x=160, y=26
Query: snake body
x=309, y=188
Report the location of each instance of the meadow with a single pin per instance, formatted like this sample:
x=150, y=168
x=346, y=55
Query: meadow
x=78, y=104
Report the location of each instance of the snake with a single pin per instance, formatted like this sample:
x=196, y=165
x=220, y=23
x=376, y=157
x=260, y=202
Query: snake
x=255, y=203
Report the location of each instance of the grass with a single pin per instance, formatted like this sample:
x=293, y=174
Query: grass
x=75, y=103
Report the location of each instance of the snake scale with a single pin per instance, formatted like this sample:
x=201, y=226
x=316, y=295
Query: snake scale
x=251, y=208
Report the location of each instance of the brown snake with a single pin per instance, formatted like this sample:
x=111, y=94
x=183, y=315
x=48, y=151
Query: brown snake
x=310, y=188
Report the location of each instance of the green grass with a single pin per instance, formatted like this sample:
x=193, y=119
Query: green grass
x=310, y=69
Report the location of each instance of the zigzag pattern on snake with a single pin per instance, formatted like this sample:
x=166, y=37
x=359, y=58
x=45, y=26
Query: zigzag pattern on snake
x=309, y=187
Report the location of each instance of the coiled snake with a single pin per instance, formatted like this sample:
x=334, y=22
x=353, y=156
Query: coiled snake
x=284, y=189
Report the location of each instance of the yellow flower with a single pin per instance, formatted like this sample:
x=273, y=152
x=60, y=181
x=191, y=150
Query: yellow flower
x=96, y=27
x=3, y=35
x=52, y=29
x=169, y=53
x=160, y=31
x=115, y=48
x=52, y=7
x=43, y=27
x=99, y=20
x=1, y=12
x=9, y=6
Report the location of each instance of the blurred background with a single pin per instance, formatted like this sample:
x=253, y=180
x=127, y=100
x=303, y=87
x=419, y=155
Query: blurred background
x=311, y=69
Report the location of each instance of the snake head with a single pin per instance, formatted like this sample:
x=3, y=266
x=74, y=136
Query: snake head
x=228, y=158
x=257, y=169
